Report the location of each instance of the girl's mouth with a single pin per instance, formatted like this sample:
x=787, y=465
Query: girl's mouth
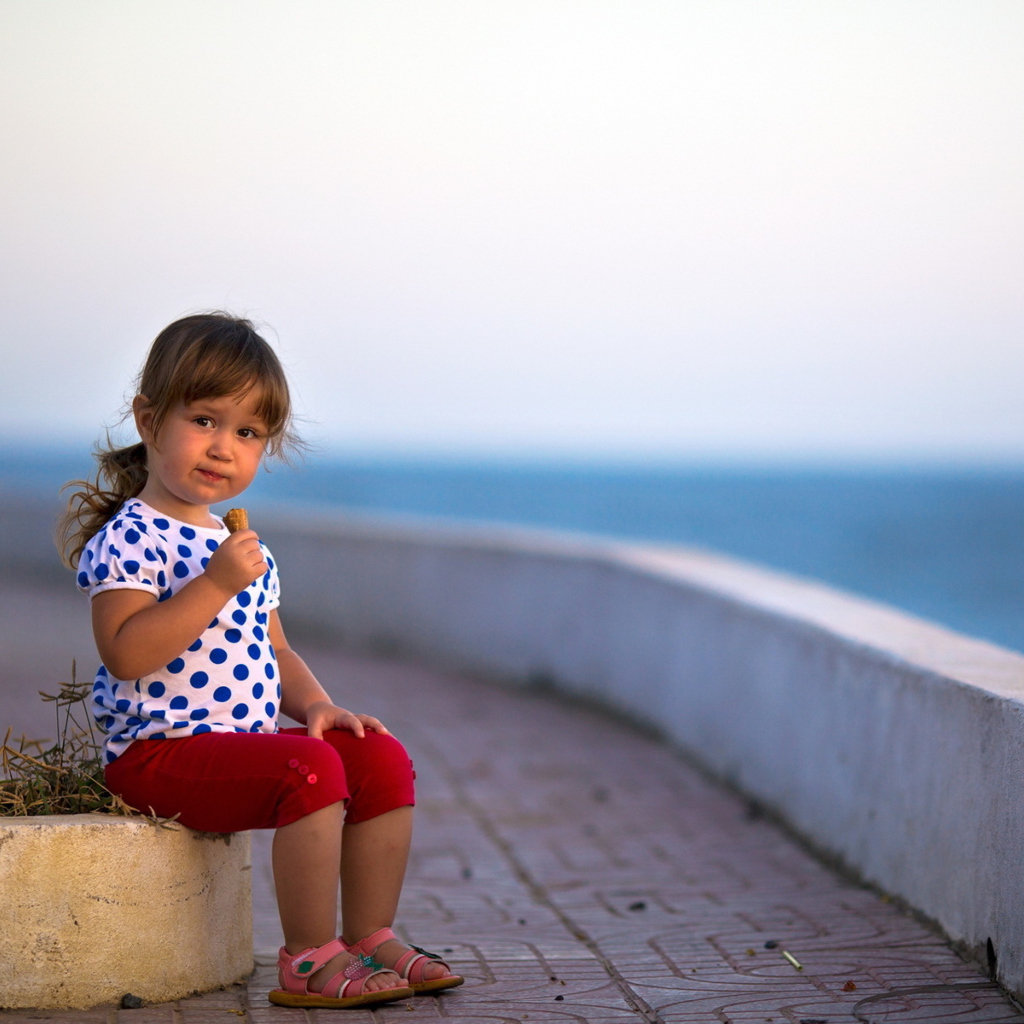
x=211, y=476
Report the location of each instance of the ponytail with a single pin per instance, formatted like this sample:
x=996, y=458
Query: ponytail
x=121, y=475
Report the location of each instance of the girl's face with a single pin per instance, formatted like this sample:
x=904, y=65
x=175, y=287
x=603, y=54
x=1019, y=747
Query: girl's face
x=205, y=453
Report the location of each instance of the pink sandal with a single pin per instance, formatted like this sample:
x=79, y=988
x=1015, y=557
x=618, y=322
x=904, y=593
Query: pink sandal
x=411, y=965
x=294, y=972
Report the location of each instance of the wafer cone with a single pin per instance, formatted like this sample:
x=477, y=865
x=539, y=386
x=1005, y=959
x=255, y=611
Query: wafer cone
x=236, y=519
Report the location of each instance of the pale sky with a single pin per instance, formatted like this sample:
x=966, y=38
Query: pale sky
x=674, y=229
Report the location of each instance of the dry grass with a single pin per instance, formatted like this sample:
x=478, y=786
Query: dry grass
x=67, y=777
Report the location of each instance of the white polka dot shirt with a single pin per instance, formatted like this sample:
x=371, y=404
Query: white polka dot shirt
x=227, y=680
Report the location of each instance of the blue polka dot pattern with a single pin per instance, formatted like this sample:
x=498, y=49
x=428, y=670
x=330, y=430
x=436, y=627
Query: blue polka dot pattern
x=208, y=688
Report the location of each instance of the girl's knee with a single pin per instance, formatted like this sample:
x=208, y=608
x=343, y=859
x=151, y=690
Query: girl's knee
x=306, y=755
x=314, y=778
x=307, y=758
x=379, y=772
x=389, y=753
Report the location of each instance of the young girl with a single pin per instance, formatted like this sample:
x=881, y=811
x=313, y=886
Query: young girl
x=196, y=667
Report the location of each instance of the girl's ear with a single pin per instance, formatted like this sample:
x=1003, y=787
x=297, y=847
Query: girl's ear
x=143, y=413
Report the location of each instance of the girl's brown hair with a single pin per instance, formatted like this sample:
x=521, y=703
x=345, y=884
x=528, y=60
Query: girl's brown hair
x=207, y=355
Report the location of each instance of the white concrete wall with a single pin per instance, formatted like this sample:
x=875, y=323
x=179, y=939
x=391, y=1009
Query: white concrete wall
x=888, y=741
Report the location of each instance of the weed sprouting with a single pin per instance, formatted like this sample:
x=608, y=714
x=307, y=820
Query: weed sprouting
x=65, y=778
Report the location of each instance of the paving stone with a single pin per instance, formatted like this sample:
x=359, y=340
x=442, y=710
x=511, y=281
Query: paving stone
x=560, y=853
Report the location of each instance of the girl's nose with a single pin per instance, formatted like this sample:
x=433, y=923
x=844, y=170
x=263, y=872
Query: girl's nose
x=220, y=445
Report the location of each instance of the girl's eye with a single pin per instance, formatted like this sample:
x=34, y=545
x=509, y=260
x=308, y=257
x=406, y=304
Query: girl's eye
x=248, y=432
x=202, y=421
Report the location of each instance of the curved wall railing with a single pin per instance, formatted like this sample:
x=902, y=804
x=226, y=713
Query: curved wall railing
x=887, y=741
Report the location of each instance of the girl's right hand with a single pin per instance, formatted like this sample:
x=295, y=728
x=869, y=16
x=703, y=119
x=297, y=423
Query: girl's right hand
x=237, y=562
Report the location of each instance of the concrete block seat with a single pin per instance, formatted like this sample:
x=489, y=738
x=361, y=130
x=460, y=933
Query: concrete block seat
x=95, y=906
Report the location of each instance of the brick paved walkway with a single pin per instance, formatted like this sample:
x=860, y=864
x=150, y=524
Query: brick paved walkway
x=578, y=871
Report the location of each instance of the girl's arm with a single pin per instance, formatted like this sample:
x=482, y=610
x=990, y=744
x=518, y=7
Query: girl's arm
x=304, y=699
x=136, y=635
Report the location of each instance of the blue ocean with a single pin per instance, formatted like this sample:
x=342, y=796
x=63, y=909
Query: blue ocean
x=946, y=544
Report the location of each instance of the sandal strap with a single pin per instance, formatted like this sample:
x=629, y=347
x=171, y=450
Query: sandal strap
x=418, y=960
x=410, y=966
x=358, y=983
x=368, y=944
x=294, y=971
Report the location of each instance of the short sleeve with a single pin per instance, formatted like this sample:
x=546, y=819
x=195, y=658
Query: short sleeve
x=123, y=556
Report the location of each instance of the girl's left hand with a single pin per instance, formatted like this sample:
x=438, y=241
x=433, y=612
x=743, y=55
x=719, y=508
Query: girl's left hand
x=321, y=716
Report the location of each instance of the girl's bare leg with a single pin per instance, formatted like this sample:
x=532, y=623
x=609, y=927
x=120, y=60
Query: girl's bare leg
x=373, y=862
x=306, y=855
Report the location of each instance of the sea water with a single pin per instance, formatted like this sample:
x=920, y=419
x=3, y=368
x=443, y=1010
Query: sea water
x=945, y=544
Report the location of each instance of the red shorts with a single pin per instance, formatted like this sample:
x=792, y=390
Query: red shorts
x=232, y=782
